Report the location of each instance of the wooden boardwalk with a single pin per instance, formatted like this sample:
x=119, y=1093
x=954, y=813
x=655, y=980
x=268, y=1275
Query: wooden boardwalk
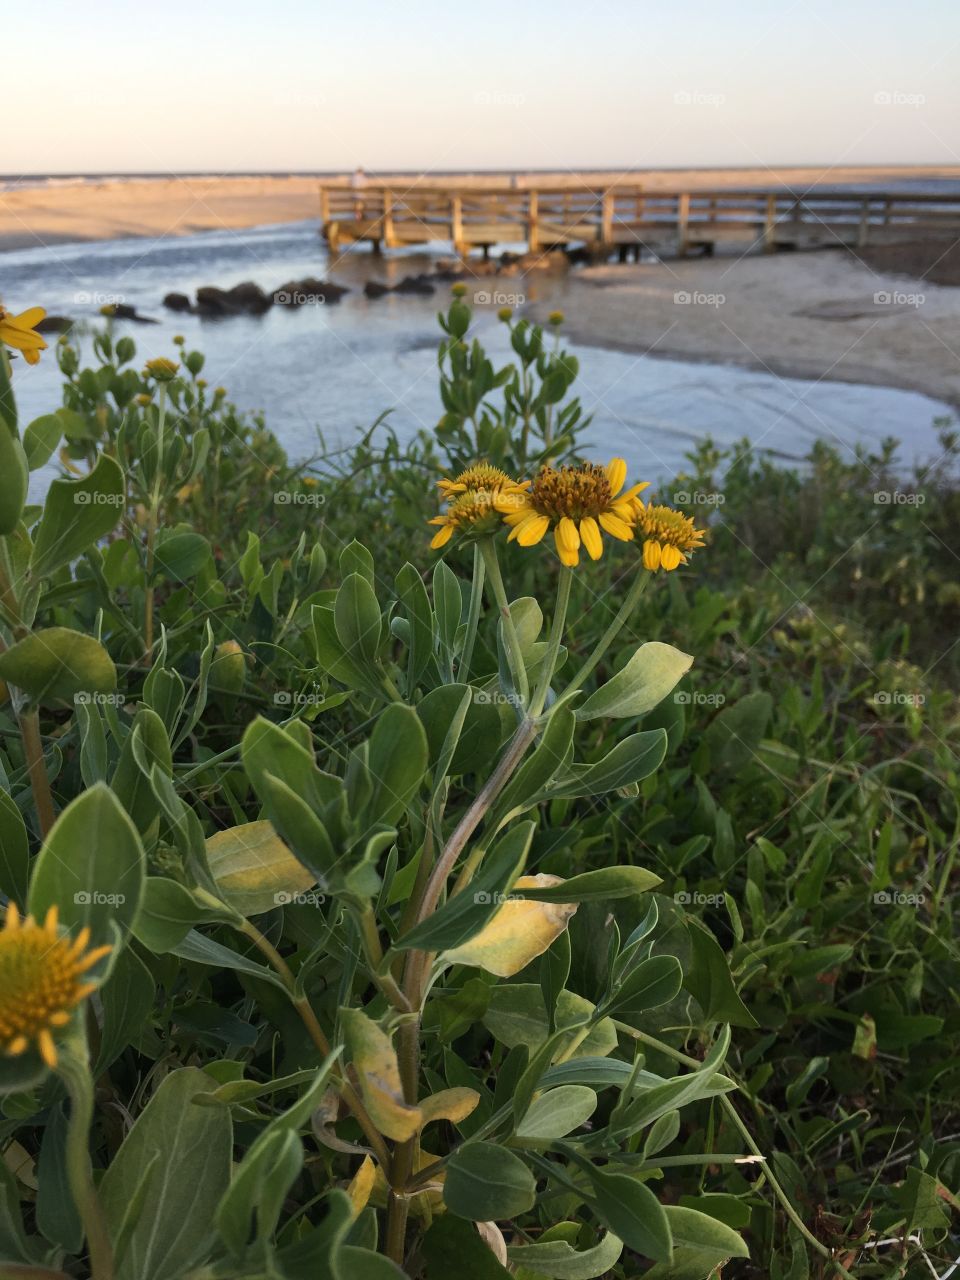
x=624, y=220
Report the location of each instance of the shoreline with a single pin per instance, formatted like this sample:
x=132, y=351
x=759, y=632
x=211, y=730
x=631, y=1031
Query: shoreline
x=810, y=316
x=55, y=211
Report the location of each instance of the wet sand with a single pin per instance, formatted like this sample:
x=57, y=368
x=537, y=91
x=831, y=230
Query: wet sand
x=806, y=315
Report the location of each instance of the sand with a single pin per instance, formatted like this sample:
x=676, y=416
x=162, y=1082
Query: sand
x=32, y=215
x=811, y=315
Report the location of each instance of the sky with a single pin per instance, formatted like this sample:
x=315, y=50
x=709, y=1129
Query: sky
x=105, y=86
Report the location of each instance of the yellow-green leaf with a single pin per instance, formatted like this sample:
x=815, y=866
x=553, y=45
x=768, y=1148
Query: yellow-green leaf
x=254, y=869
x=378, y=1075
x=519, y=931
x=449, y=1104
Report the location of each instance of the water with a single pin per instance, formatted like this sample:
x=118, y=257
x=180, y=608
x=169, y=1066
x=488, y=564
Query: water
x=334, y=368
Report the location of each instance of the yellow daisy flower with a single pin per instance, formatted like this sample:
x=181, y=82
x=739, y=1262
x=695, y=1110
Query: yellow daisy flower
x=162, y=369
x=667, y=536
x=20, y=333
x=576, y=502
x=476, y=498
x=41, y=974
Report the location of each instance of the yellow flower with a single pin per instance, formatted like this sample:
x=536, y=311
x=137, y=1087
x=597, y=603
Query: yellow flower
x=308, y=482
x=20, y=333
x=555, y=318
x=162, y=369
x=476, y=499
x=667, y=536
x=576, y=502
x=41, y=981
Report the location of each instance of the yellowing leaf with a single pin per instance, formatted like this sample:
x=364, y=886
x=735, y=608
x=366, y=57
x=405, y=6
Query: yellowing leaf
x=361, y=1186
x=425, y=1204
x=519, y=931
x=254, y=869
x=378, y=1075
x=449, y=1104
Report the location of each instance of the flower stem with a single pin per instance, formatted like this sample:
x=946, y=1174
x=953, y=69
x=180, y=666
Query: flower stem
x=473, y=614
x=74, y=1070
x=556, y=634
x=514, y=653
x=39, y=782
x=637, y=588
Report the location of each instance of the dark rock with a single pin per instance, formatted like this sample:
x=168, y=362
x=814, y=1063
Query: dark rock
x=123, y=311
x=212, y=301
x=53, y=324
x=178, y=302
x=375, y=289
x=250, y=298
x=415, y=284
x=308, y=292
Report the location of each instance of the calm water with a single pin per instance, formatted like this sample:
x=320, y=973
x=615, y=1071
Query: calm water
x=334, y=369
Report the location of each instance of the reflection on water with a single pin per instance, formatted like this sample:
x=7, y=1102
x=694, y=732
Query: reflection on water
x=336, y=368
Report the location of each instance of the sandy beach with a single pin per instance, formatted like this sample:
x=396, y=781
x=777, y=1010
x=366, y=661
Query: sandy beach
x=806, y=315
x=34, y=214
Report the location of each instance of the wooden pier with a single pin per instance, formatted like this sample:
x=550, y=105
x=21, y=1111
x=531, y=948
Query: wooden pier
x=623, y=220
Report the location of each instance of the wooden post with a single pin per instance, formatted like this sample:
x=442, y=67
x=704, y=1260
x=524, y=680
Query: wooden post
x=456, y=226
x=388, y=237
x=683, y=220
x=533, y=221
x=606, y=218
x=324, y=206
x=770, y=223
x=864, y=228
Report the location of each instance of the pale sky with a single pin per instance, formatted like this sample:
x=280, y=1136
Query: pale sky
x=221, y=86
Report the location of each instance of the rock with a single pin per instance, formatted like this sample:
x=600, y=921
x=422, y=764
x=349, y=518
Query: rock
x=53, y=324
x=375, y=289
x=250, y=298
x=123, y=311
x=308, y=292
x=212, y=301
x=415, y=284
x=178, y=302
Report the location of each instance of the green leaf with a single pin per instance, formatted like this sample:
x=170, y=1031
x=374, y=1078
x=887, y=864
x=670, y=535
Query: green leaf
x=14, y=477
x=416, y=602
x=76, y=514
x=147, y=745
x=168, y=913
x=606, y=882
x=127, y=997
x=516, y=1015
x=57, y=1216
x=701, y=1244
x=181, y=556
x=57, y=664
x=356, y=615
x=631, y=1211
x=557, y=1112
x=709, y=981
x=485, y=1182
x=397, y=763
x=479, y=739
x=466, y=913
x=182, y=1152
x=453, y=1246
x=254, y=869
x=549, y=756
x=558, y=1260
x=92, y=867
x=734, y=735
x=629, y=762
x=647, y=678
x=653, y=982
x=40, y=439
x=14, y=850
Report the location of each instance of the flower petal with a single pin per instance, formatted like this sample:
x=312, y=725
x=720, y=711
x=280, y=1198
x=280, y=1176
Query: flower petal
x=568, y=536
x=441, y=537
x=616, y=527
x=651, y=555
x=670, y=556
x=616, y=470
x=590, y=537
x=531, y=530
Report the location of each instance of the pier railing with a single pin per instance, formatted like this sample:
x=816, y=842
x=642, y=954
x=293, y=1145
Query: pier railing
x=624, y=217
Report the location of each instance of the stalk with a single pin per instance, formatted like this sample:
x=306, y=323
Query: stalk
x=153, y=518
x=514, y=653
x=74, y=1070
x=556, y=635
x=39, y=782
x=473, y=614
x=637, y=588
